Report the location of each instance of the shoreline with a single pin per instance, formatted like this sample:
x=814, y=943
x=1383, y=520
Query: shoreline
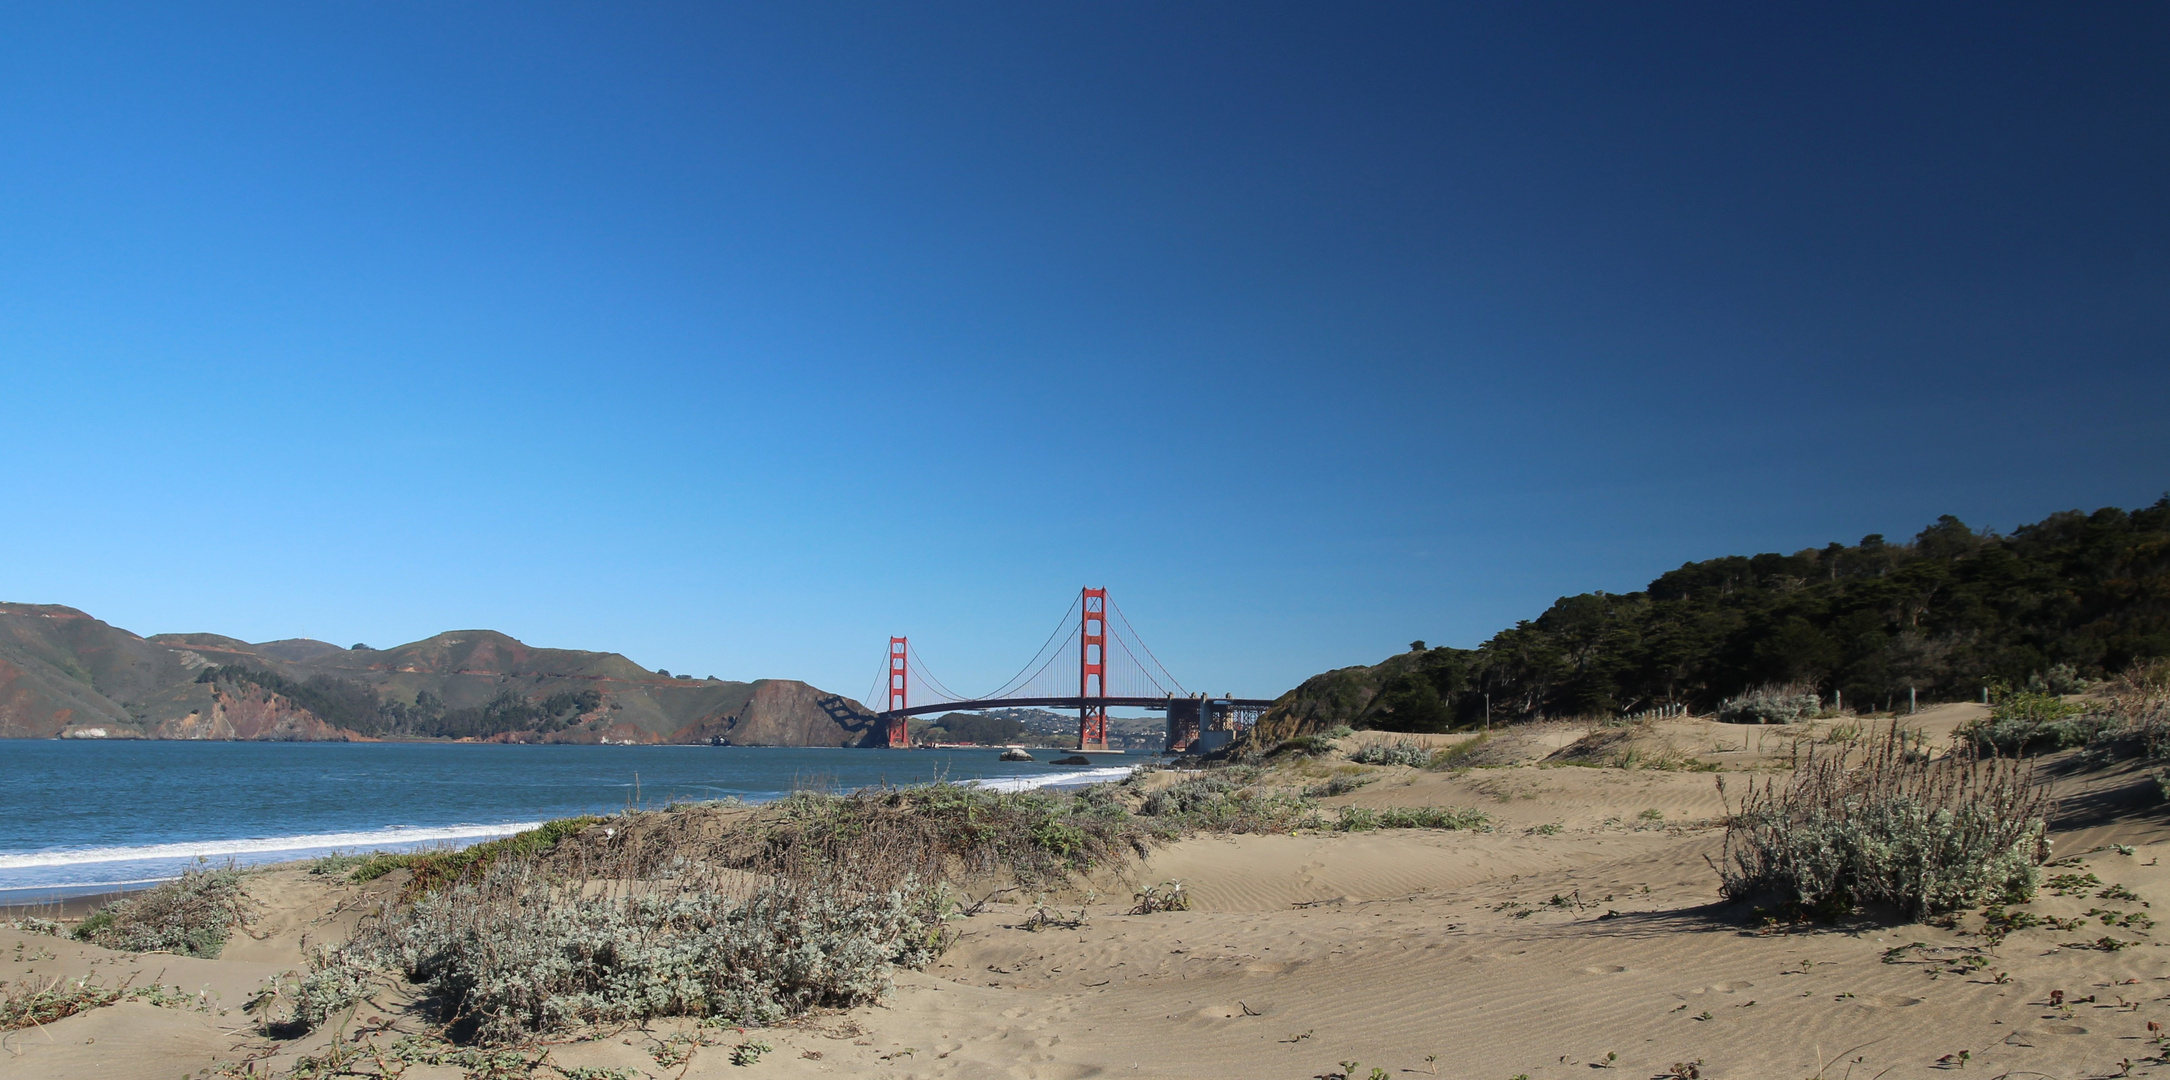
x=146, y=865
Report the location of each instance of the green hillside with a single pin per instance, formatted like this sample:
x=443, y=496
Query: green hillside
x=2075, y=595
x=64, y=673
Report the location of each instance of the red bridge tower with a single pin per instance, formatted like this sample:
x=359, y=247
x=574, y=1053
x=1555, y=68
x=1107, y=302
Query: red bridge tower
x=900, y=732
x=1092, y=669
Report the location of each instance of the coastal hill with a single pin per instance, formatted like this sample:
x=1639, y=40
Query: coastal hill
x=66, y=674
x=2073, y=596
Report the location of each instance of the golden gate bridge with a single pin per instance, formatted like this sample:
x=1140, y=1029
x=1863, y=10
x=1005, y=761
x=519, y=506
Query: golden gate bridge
x=1114, y=669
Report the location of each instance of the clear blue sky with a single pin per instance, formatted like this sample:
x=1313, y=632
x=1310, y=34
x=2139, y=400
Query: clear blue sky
x=738, y=338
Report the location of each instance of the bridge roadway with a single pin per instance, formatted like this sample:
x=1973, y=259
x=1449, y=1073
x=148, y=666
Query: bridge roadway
x=1155, y=704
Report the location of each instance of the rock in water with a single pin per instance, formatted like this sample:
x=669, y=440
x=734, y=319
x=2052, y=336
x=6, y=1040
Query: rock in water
x=1074, y=759
x=1014, y=754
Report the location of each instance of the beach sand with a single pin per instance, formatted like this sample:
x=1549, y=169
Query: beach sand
x=1582, y=936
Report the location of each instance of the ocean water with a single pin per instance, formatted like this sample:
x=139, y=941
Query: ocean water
x=78, y=815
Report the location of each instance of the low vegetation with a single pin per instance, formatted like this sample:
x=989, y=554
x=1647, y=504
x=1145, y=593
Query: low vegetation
x=436, y=869
x=191, y=915
x=1771, y=705
x=740, y=915
x=1367, y=819
x=2032, y=723
x=1875, y=824
x=519, y=952
x=1413, y=755
x=34, y=1003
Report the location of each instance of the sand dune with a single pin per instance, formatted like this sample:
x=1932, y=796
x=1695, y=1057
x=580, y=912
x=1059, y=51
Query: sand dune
x=1580, y=937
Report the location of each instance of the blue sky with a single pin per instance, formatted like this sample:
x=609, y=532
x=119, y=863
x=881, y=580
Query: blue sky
x=738, y=338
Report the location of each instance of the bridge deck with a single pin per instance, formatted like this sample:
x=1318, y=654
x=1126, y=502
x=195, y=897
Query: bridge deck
x=1156, y=704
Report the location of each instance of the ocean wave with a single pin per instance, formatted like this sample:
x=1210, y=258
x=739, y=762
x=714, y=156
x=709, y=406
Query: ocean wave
x=208, y=849
x=1056, y=779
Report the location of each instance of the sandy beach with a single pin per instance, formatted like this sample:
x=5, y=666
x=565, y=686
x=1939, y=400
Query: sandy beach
x=1582, y=932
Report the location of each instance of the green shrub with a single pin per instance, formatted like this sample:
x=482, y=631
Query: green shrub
x=2024, y=722
x=1770, y=705
x=339, y=862
x=1303, y=746
x=34, y=1003
x=1407, y=753
x=514, y=954
x=436, y=869
x=190, y=915
x=942, y=832
x=1888, y=827
x=1337, y=785
x=1366, y=819
x=1218, y=802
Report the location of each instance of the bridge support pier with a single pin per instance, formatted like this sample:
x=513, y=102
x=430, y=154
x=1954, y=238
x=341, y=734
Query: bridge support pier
x=1092, y=727
x=1184, y=716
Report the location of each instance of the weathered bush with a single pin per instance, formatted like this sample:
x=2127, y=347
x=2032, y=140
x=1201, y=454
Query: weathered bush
x=1216, y=802
x=2059, y=679
x=1770, y=705
x=2028, y=723
x=945, y=832
x=2139, y=703
x=1414, y=755
x=515, y=954
x=1876, y=825
x=1303, y=746
x=435, y=869
x=1341, y=784
x=191, y=915
x=1366, y=819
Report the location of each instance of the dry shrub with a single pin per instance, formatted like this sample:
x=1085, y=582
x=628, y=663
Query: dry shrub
x=2024, y=722
x=190, y=915
x=1366, y=819
x=520, y=952
x=876, y=836
x=2139, y=700
x=28, y=1003
x=1166, y=896
x=1877, y=824
x=1413, y=754
x=723, y=913
x=1771, y=705
x=1227, y=801
x=32, y=1002
x=1340, y=784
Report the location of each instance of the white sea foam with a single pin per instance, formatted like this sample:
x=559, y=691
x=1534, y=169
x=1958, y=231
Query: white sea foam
x=1057, y=779
x=206, y=849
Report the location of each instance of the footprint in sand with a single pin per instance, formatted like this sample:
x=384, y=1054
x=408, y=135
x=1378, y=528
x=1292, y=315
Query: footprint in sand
x=1889, y=1001
x=1718, y=988
x=1604, y=969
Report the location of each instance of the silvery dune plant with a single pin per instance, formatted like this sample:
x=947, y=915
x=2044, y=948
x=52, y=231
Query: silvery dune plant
x=518, y=954
x=1878, y=826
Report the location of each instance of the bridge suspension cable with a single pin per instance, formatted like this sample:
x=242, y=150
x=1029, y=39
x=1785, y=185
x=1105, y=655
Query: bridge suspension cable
x=1172, y=681
x=1010, y=685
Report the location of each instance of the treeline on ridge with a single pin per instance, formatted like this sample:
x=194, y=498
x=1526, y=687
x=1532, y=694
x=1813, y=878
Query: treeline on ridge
x=356, y=707
x=2072, y=596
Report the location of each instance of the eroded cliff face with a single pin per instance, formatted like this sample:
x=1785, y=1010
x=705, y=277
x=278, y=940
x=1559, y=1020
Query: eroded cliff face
x=259, y=716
